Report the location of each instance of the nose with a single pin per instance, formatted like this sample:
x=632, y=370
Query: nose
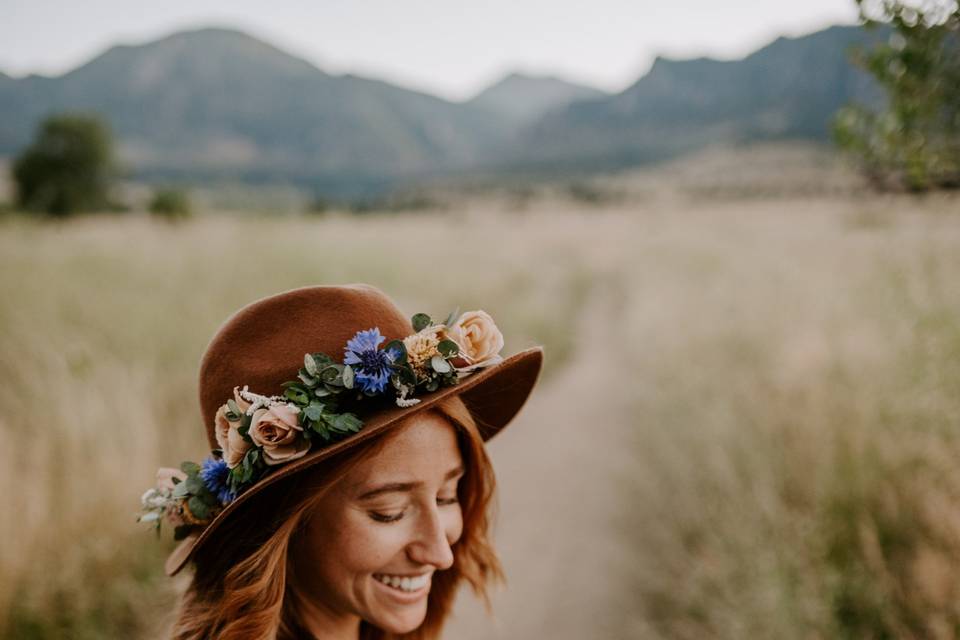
x=431, y=545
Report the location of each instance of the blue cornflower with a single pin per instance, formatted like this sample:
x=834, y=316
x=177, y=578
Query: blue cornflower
x=214, y=474
x=371, y=365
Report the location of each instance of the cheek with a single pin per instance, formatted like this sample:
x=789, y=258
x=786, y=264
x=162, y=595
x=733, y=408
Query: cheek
x=366, y=546
x=453, y=524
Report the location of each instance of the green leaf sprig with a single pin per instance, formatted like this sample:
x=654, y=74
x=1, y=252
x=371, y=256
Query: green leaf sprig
x=201, y=503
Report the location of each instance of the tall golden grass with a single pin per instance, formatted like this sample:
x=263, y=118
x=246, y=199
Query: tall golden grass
x=796, y=424
x=792, y=365
x=102, y=326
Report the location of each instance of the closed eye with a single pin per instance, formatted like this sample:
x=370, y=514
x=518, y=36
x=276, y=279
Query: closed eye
x=384, y=517
x=387, y=517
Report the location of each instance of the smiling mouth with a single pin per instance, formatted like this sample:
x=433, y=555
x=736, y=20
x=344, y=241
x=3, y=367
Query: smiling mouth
x=406, y=584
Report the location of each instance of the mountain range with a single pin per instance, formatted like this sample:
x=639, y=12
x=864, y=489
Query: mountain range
x=214, y=104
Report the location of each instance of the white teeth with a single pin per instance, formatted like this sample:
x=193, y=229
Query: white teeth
x=404, y=583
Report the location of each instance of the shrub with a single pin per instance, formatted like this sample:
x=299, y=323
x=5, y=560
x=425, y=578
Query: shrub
x=171, y=204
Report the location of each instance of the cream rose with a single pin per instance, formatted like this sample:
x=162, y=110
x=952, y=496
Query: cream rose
x=478, y=337
x=278, y=431
x=233, y=445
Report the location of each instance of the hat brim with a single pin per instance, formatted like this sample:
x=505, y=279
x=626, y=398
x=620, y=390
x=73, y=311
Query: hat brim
x=493, y=395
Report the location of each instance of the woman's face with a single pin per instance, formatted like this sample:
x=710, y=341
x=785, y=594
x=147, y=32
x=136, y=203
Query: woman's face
x=372, y=545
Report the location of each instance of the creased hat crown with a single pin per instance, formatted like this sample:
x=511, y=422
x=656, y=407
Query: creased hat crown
x=262, y=343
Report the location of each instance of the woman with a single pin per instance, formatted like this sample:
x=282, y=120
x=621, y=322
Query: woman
x=353, y=501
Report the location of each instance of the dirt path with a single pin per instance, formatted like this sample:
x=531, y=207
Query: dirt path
x=555, y=468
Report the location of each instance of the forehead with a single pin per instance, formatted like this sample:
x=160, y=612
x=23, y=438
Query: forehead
x=424, y=447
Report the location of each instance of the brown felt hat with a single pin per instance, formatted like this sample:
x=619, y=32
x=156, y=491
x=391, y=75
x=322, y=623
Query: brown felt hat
x=262, y=345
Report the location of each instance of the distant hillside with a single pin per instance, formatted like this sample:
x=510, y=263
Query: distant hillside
x=215, y=102
x=521, y=98
x=788, y=89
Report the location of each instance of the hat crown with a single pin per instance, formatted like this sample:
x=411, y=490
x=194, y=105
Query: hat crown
x=262, y=345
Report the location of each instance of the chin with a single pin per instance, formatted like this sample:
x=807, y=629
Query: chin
x=400, y=622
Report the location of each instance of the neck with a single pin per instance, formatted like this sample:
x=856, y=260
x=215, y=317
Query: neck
x=323, y=624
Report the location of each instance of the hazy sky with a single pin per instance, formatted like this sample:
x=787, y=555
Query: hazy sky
x=448, y=47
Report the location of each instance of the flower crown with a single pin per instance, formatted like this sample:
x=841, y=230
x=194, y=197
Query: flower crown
x=257, y=433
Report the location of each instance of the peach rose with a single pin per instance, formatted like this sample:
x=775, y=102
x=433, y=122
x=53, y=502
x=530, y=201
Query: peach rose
x=233, y=445
x=278, y=431
x=478, y=337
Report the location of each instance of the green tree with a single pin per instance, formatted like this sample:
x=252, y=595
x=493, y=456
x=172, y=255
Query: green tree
x=172, y=204
x=914, y=141
x=68, y=166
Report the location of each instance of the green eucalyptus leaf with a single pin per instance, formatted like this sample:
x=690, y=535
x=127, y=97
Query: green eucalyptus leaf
x=190, y=468
x=348, y=423
x=180, y=490
x=448, y=348
x=209, y=498
x=198, y=508
x=439, y=364
x=310, y=364
x=332, y=373
x=420, y=321
x=313, y=411
x=322, y=360
x=400, y=349
x=308, y=379
x=194, y=484
x=297, y=395
x=432, y=385
x=407, y=376
x=347, y=376
x=321, y=429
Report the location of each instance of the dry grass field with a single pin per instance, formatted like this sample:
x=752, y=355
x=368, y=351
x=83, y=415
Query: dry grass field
x=749, y=425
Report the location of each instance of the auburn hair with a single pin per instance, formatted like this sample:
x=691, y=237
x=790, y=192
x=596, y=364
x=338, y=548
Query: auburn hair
x=241, y=587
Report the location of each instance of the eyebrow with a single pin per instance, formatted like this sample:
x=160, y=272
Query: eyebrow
x=405, y=486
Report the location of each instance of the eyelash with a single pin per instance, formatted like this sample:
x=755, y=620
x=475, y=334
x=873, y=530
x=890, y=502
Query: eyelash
x=382, y=517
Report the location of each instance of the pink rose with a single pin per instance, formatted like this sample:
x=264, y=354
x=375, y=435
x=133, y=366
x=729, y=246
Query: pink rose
x=165, y=476
x=171, y=509
x=233, y=445
x=478, y=338
x=278, y=431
